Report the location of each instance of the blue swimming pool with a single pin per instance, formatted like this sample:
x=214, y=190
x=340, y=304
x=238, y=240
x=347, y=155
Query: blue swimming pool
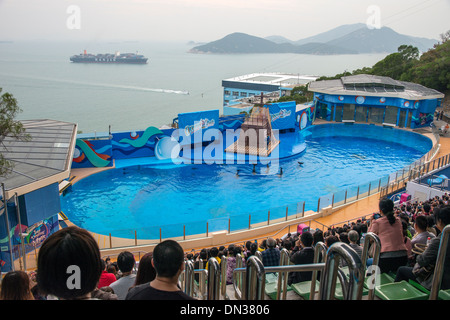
x=149, y=197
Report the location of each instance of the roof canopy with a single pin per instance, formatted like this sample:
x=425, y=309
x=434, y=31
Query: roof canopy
x=371, y=85
x=43, y=160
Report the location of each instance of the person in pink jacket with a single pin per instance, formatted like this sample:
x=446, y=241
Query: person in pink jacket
x=389, y=229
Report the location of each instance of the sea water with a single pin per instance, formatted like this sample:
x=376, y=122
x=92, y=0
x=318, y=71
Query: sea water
x=132, y=97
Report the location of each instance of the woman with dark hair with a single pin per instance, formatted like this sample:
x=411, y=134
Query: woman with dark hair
x=16, y=286
x=69, y=264
x=389, y=230
x=146, y=272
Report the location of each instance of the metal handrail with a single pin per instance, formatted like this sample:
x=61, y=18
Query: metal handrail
x=283, y=276
x=320, y=255
x=353, y=288
x=203, y=274
x=213, y=279
x=254, y=279
x=223, y=277
x=259, y=255
x=371, y=239
x=189, y=278
x=239, y=280
x=440, y=261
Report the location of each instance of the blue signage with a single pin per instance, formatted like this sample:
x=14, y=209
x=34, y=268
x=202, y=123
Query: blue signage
x=282, y=115
x=193, y=124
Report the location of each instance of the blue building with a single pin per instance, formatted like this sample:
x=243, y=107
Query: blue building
x=237, y=90
x=375, y=99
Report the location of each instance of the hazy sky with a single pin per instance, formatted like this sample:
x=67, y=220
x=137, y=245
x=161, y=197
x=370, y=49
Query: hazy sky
x=208, y=20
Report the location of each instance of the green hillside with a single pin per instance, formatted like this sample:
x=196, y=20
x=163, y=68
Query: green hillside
x=431, y=69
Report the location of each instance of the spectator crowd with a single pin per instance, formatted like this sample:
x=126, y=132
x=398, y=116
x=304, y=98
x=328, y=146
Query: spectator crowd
x=70, y=266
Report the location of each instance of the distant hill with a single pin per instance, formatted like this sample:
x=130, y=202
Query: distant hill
x=333, y=34
x=244, y=43
x=346, y=39
x=366, y=40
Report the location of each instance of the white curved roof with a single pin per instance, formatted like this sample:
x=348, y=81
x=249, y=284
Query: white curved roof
x=370, y=85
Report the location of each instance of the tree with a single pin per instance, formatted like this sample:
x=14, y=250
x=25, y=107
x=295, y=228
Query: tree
x=299, y=94
x=433, y=68
x=395, y=64
x=9, y=127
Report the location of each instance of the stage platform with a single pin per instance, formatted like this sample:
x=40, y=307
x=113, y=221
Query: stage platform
x=290, y=144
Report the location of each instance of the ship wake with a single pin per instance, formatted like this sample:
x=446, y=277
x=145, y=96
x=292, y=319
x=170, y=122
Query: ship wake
x=104, y=85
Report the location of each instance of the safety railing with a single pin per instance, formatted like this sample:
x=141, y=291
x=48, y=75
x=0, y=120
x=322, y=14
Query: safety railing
x=371, y=245
x=320, y=255
x=249, y=282
x=283, y=276
x=352, y=286
x=439, y=182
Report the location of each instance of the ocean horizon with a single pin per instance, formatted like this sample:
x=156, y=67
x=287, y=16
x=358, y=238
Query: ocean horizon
x=132, y=97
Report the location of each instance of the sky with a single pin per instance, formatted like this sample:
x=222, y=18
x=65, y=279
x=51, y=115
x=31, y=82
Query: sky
x=209, y=20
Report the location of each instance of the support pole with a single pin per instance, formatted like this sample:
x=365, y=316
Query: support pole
x=8, y=230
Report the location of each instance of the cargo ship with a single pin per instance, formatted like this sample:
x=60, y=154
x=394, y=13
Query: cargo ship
x=117, y=57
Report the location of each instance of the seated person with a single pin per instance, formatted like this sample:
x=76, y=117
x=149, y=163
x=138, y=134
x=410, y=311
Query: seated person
x=304, y=256
x=168, y=261
x=429, y=256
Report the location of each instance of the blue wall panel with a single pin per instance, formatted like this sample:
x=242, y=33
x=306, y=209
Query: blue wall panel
x=40, y=204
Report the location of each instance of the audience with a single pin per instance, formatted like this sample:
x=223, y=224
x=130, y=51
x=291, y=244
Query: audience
x=422, y=234
x=168, y=261
x=16, y=286
x=213, y=253
x=69, y=265
x=353, y=238
x=318, y=237
x=106, y=278
x=422, y=271
x=104, y=293
x=271, y=256
x=253, y=249
x=231, y=262
x=390, y=232
x=304, y=256
x=399, y=229
x=112, y=268
x=126, y=263
x=146, y=272
x=200, y=263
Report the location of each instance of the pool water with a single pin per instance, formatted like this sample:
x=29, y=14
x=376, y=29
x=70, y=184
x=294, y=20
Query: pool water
x=146, y=198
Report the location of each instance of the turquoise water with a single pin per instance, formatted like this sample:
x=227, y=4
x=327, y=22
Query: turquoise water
x=146, y=198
